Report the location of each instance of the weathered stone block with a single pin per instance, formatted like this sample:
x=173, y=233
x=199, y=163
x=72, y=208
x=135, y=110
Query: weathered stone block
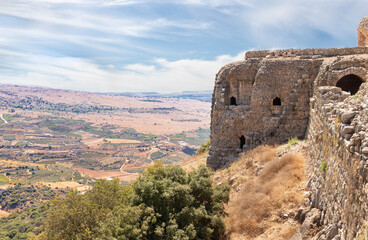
x=365, y=150
x=348, y=129
x=347, y=116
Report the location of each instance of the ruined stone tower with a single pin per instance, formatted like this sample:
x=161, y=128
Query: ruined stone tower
x=267, y=97
x=363, y=33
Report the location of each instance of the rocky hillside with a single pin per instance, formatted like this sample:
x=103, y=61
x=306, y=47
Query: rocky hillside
x=267, y=191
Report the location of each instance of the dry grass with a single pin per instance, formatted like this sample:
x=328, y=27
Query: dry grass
x=193, y=163
x=265, y=187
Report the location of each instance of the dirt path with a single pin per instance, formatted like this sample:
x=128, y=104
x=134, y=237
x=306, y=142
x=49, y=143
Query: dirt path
x=99, y=174
x=195, y=160
x=2, y=118
x=123, y=166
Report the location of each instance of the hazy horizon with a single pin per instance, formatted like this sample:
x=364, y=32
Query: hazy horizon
x=99, y=92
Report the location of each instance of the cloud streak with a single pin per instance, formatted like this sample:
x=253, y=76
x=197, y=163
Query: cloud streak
x=157, y=45
x=81, y=74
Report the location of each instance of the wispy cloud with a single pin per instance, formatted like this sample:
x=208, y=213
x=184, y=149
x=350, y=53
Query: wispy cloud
x=78, y=19
x=283, y=23
x=82, y=74
x=93, y=29
x=157, y=45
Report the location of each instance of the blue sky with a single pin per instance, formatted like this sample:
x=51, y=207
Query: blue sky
x=157, y=45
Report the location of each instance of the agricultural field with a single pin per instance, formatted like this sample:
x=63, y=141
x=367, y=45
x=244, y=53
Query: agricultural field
x=55, y=149
x=50, y=136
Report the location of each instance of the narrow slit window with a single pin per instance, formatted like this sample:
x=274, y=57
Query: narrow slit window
x=242, y=142
x=233, y=101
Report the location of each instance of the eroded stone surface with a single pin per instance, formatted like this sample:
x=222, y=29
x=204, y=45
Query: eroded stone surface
x=363, y=32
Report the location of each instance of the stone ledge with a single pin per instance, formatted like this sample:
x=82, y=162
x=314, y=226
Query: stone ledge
x=309, y=52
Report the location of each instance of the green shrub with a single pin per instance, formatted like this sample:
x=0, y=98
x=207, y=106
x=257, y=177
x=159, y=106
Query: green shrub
x=82, y=216
x=323, y=167
x=3, y=180
x=205, y=147
x=293, y=141
x=24, y=224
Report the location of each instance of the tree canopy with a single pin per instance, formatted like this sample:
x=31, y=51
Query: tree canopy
x=165, y=202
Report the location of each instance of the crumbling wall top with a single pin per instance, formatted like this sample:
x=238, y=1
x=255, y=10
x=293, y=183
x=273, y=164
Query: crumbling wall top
x=364, y=23
x=311, y=53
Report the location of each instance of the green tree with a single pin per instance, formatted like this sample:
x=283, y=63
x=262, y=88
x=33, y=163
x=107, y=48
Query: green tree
x=178, y=205
x=83, y=216
x=163, y=203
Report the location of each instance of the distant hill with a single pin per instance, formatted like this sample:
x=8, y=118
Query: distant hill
x=153, y=113
x=204, y=96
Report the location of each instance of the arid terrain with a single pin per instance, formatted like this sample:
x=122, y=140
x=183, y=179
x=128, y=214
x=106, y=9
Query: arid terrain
x=268, y=189
x=159, y=116
x=65, y=139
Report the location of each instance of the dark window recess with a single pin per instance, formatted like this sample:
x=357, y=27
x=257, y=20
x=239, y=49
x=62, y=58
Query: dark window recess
x=276, y=101
x=233, y=101
x=242, y=142
x=350, y=83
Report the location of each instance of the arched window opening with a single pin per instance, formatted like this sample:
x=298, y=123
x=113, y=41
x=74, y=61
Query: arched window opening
x=233, y=101
x=276, y=102
x=242, y=141
x=350, y=83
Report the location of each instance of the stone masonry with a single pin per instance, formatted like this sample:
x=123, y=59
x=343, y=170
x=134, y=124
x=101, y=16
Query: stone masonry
x=267, y=97
x=338, y=148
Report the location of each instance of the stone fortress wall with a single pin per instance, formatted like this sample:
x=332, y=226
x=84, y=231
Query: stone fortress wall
x=266, y=97
x=338, y=148
x=319, y=94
